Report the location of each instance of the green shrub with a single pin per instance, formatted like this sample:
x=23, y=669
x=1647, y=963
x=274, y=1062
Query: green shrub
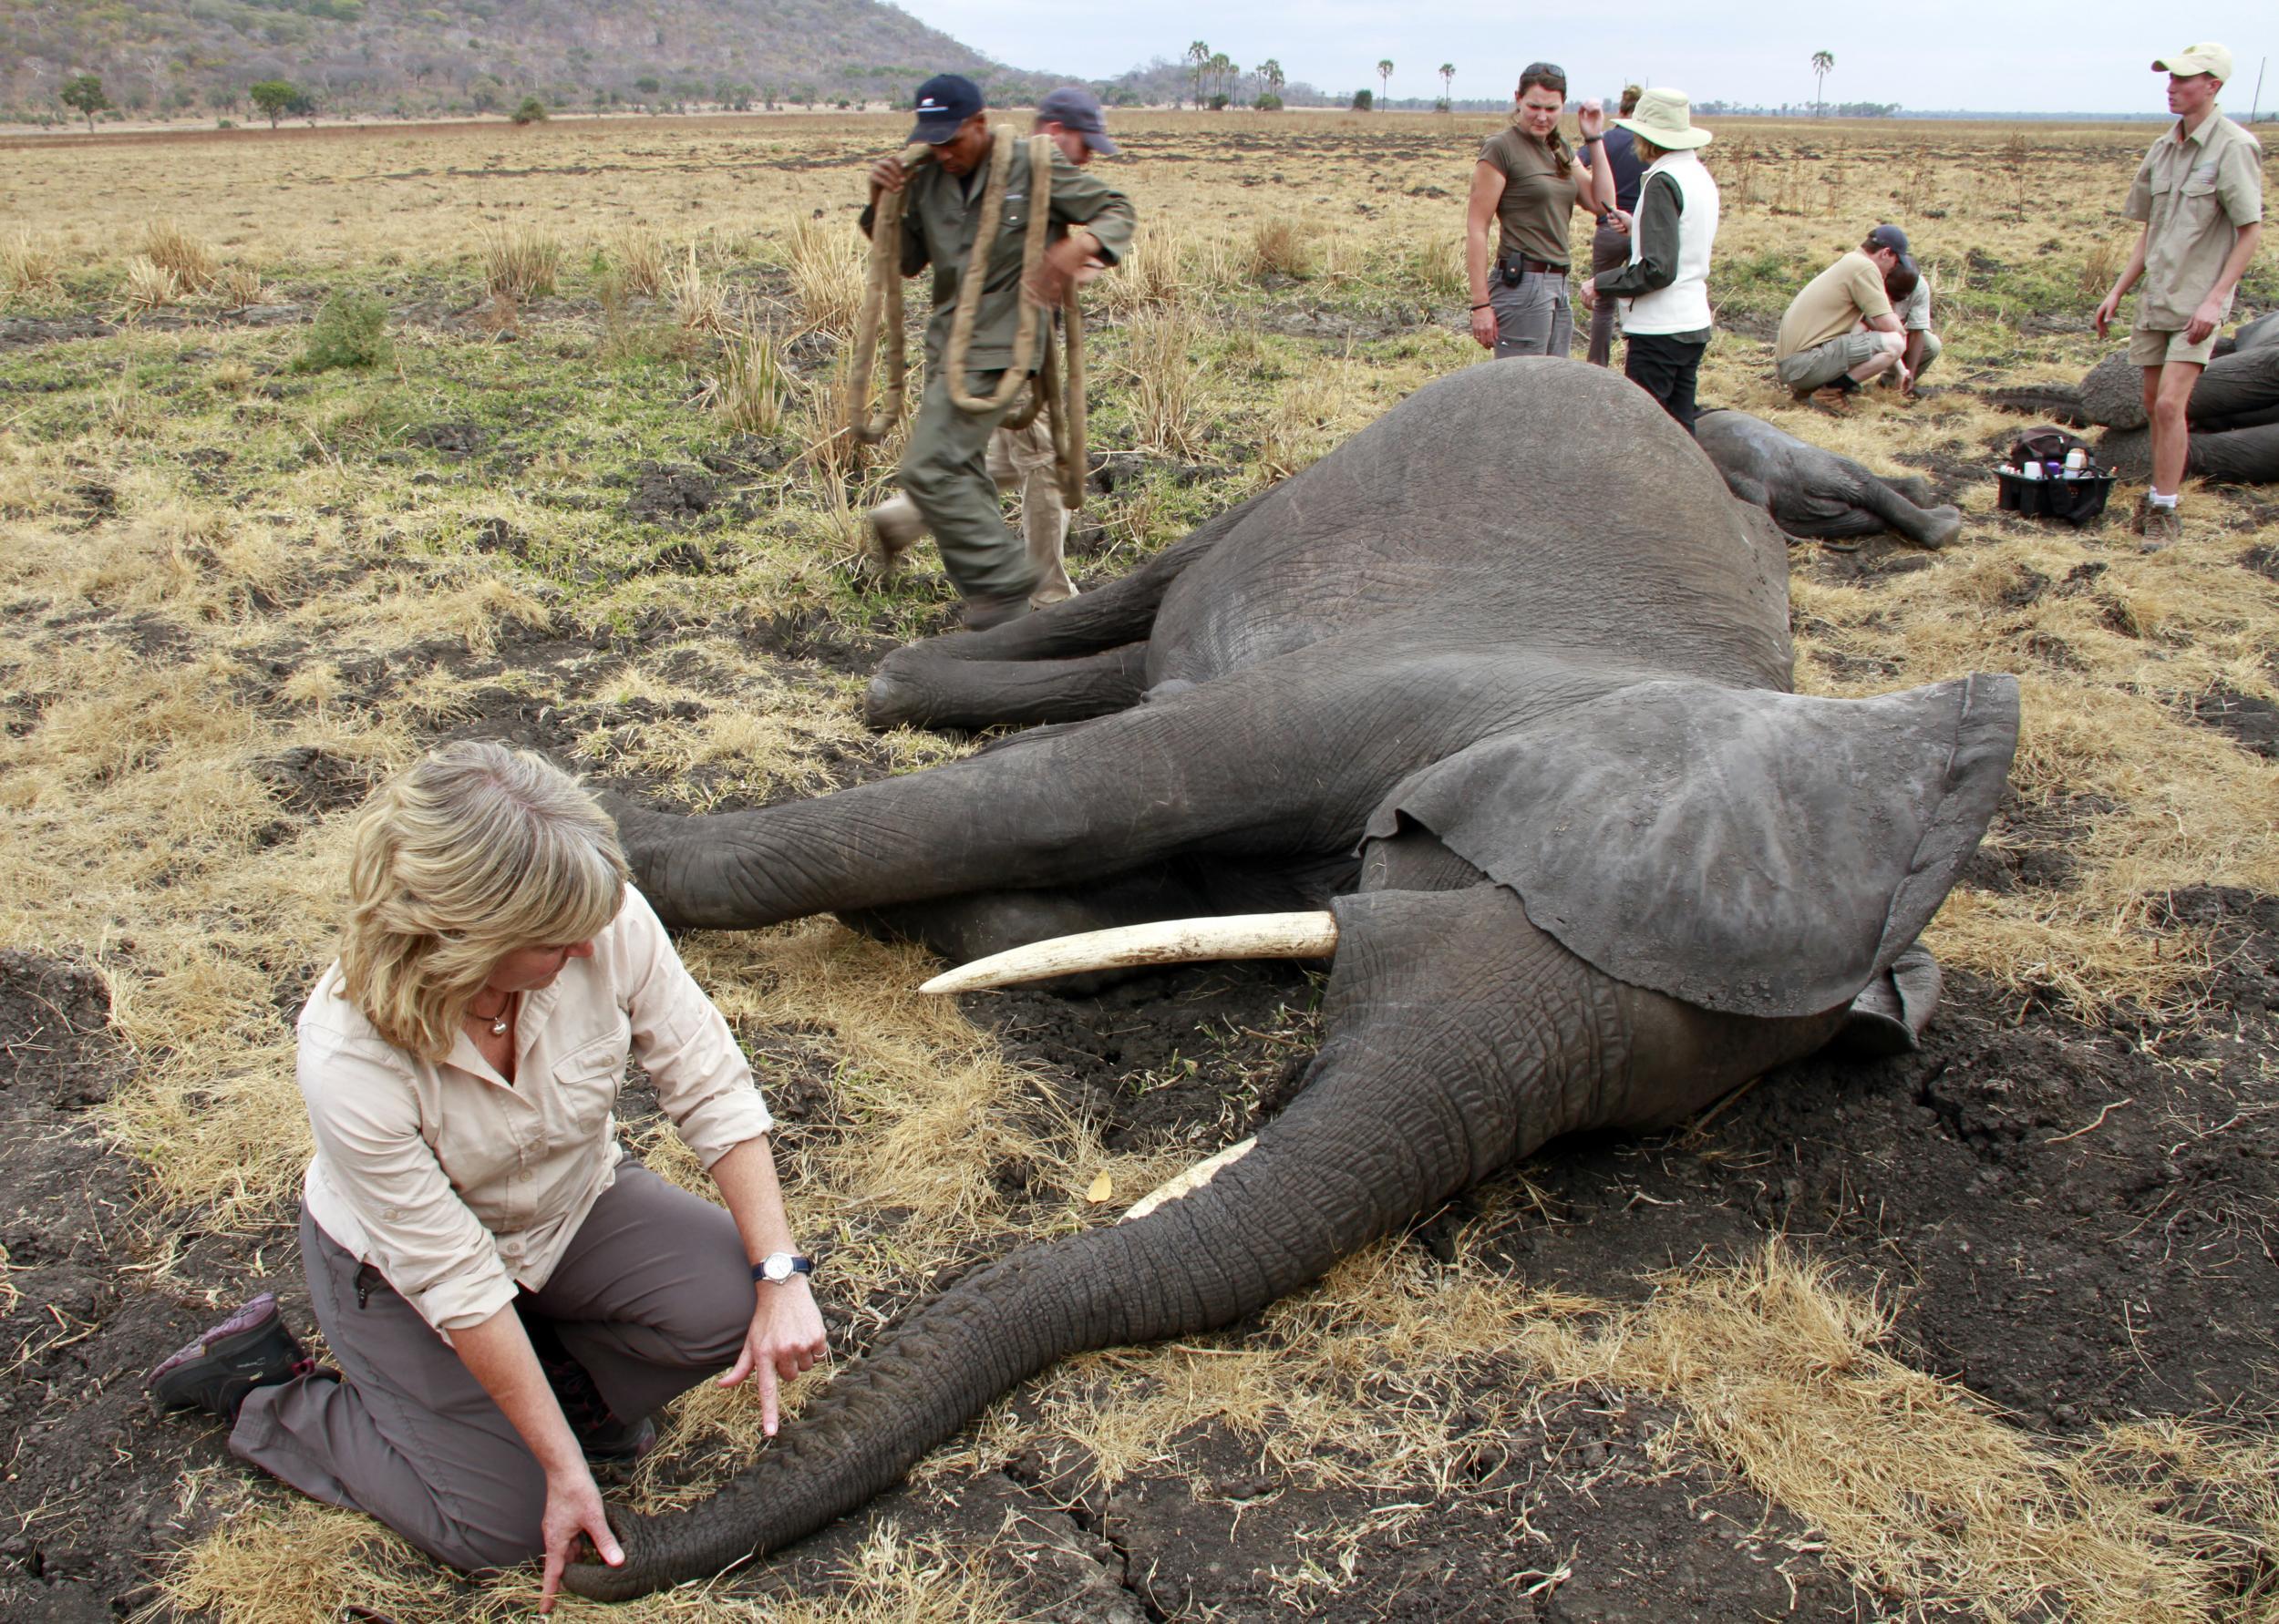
x=350, y=329
x=532, y=112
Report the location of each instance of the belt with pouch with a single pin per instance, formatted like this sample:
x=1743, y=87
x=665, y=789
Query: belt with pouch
x=1520, y=264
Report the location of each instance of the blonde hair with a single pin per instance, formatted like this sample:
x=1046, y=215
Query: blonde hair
x=474, y=852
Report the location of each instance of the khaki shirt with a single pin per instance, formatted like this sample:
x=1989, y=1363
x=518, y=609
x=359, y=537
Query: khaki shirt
x=938, y=225
x=2194, y=192
x=1535, y=214
x=1832, y=304
x=457, y=1185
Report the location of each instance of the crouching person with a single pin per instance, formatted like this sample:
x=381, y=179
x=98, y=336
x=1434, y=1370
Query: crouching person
x=508, y=1300
x=1665, y=288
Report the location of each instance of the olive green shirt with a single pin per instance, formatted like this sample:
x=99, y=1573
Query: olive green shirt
x=938, y=225
x=2194, y=192
x=1534, y=215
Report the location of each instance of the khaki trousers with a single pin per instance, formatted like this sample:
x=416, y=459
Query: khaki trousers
x=1019, y=460
x=945, y=473
x=652, y=1296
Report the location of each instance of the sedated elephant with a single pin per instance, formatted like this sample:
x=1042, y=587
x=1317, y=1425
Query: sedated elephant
x=1506, y=702
x=2233, y=411
x=1816, y=493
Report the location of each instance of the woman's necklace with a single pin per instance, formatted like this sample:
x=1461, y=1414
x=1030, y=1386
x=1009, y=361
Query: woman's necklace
x=498, y=1021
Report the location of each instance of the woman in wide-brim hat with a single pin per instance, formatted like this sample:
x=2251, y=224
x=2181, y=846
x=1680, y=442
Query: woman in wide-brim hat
x=1665, y=288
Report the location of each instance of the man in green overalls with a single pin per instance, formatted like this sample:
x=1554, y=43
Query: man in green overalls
x=945, y=467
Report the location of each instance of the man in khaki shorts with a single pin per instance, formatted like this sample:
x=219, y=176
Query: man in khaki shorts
x=1839, y=331
x=1021, y=461
x=2199, y=194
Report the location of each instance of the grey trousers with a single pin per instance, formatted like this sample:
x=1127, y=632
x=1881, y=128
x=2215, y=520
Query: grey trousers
x=945, y=471
x=1610, y=250
x=1534, y=318
x=1020, y=460
x=652, y=1296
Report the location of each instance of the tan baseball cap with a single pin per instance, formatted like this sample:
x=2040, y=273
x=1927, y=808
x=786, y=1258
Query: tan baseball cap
x=2214, y=60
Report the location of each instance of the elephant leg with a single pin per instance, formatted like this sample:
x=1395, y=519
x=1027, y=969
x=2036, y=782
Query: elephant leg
x=939, y=692
x=1934, y=526
x=1460, y=1038
x=2241, y=457
x=1083, y=650
x=1914, y=488
x=1064, y=805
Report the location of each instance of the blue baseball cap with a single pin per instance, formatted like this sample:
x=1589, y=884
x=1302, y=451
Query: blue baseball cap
x=945, y=102
x=1073, y=108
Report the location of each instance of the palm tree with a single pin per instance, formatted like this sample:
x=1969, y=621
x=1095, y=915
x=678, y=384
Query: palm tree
x=1198, y=60
x=1823, y=64
x=1270, y=77
x=1384, y=78
x=1448, y=78
x=1223, y=77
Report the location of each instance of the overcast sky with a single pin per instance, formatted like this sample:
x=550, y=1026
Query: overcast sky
x=2089, y=56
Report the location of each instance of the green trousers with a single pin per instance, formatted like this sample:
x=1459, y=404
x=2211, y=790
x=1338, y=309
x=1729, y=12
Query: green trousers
x=945, y=471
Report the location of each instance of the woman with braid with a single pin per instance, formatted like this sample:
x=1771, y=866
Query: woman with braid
x=1531, y=182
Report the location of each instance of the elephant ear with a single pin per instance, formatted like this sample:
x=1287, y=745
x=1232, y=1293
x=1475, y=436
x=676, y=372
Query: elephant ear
x=1745, y=850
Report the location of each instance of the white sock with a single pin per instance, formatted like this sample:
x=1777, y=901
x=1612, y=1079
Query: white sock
x=2158, y=500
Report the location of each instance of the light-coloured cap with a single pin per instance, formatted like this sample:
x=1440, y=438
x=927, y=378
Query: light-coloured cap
x=1666, y=118
x=2214, y=60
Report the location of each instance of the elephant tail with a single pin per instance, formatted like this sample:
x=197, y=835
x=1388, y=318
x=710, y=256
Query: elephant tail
x=1399, y=1114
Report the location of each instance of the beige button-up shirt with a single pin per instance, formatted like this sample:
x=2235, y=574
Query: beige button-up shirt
x=457, y=1185
x=2194, y=192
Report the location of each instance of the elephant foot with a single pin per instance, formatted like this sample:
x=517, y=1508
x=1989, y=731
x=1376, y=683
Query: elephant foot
x=1942, y=526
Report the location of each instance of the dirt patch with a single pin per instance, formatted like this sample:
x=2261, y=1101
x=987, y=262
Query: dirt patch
x=92, y=1475
x=676, y=496
x=2251, y=722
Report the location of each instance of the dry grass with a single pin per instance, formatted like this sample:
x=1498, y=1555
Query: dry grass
x=190, y=259
x=1278, y=247
x=150, y=285
x=292, y=1562
x=829, y=269
x=752, y=387
x=1926, y=1494
x=641, y=259
x=26, y=267
x=700, y=302
x=1166, y=398
x=519, y=262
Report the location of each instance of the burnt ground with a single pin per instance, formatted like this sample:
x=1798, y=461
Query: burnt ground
x=2080, y=1227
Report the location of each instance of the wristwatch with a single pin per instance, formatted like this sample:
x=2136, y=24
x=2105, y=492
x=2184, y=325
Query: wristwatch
x=778, y=1267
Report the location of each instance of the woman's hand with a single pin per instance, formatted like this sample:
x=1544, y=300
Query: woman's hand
x=573, y=1507
x=1588, y=295
x=1484, y=332
x=1619, y=220
x=786, y=1337
x=1592, y=119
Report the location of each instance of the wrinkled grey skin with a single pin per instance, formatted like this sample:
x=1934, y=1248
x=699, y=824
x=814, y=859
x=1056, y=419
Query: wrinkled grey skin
x=1816, y=493
x=2233, y=411
x=1512, y=701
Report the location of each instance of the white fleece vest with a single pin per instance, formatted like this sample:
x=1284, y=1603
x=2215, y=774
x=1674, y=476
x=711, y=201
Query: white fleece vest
x=1684, y=306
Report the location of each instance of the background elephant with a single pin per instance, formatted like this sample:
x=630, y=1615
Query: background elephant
x=1512, y=703
x=1816, y=493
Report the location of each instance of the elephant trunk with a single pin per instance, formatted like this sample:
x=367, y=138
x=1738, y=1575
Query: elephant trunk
x=1403, y=1109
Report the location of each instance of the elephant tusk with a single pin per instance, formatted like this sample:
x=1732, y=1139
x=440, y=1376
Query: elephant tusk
x=1166, y=942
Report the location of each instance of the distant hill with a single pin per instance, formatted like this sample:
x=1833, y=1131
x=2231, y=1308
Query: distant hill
x=421, y=56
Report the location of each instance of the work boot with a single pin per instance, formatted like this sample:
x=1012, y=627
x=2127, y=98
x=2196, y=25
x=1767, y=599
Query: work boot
x=250, y=1349
x=896, y=526
x=2157, y=526
x=602, y=1434
x=984, y=610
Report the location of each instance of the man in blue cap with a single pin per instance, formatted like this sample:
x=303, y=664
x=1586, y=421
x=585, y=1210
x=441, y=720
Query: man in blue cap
x=946, y=473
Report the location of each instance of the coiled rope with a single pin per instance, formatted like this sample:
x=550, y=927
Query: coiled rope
x=1058, y=388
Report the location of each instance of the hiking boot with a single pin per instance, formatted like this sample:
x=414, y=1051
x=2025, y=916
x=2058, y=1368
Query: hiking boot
x=2157, y=526
x=895, y=527
x=984, y=610
x=1837, y=397
x=616, y=1443
x=250, y=1349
